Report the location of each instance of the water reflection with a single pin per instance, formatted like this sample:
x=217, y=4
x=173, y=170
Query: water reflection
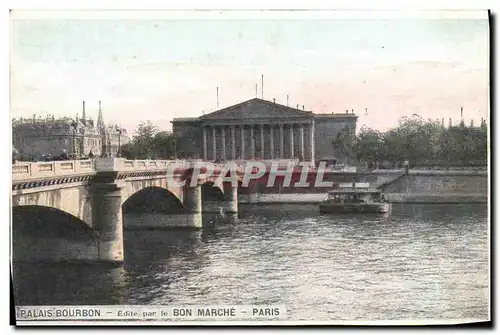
x=422, y=261
x=61, y=283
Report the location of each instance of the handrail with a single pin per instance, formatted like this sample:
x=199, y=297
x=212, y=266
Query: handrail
x=35, y=170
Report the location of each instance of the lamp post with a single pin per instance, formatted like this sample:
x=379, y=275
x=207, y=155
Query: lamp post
x=73, y=125
x=119, y=130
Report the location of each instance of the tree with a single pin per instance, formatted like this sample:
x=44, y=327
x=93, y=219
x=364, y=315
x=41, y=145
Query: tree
x=143, y=140
x=164, y=145
x=128, y=151
x=343, y=144
x=413, y=139
x=463, y=145
x=480, y=145
x=421, y=142
x=368, y=146
x=150, y=143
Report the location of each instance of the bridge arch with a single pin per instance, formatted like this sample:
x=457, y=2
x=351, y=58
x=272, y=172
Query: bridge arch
x=211, y=192
x=153, y=199
x=42, y=232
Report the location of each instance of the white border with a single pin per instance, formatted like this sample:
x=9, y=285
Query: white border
x=252, y=14
x=186, y=4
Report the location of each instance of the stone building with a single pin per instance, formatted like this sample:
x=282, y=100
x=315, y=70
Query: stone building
x=113, y=136
x=34, y=137
x=260, y=129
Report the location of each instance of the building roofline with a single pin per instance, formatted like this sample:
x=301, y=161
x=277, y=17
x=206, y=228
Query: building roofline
x=270, y=103
x=274, y=104
x=336, y=116
x=184, y=119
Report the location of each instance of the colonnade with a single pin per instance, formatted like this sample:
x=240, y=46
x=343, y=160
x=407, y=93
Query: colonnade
x=259, y=141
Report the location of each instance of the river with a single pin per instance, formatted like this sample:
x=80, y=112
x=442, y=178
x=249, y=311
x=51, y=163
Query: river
x=420, y=262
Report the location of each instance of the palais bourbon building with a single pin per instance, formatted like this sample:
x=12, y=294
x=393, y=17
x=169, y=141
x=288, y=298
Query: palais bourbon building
x=260, y=129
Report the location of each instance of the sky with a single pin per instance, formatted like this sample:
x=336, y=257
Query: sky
x=161, y=67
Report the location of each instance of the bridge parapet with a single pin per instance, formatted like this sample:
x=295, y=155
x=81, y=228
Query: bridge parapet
x=38, y=173
x=125, y=165
x=39, y=170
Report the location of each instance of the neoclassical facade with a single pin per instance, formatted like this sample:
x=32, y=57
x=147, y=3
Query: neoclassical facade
x=260, y=129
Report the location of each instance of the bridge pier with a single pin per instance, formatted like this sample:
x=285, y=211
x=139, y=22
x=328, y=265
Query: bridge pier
x=107, y=221
x=252, y=195
x=192, y=203
x=230, y=203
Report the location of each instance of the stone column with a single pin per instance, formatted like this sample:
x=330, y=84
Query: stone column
x=230, y=203
x=214, y=144
x=292, y=153
x=204, y=143
x=282, y=142
x=192, y=202
x=262, y=144
x=223, y=133
x=233, y=144
x=271, y=132
x=302, y=140
x=253, y=192
x=107, y=220
x=313, y=148
x=252, y=139
x=242, y=147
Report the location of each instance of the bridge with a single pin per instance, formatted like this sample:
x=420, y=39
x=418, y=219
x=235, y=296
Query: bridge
x=91, y=194
x=94, y=192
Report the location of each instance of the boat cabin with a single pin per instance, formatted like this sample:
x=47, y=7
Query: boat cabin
x=355, y=193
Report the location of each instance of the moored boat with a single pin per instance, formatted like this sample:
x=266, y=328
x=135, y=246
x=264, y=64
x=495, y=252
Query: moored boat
x=354, y=198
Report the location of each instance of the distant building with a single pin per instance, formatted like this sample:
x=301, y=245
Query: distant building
x=113, y=136
x=260, y=129
x=38, y=136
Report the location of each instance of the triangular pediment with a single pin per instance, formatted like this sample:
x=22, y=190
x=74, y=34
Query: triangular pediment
x=256, y=109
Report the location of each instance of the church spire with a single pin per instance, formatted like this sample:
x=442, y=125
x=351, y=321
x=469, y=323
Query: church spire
x=100, y=120
x=83, y=112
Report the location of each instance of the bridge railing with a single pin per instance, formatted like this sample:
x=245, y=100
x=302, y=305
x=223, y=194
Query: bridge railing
x=40, y=170
x=35, y=170
x=122, y=164
x=118, y=164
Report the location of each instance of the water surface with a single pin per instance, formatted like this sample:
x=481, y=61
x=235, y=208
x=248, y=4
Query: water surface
x=421, y=262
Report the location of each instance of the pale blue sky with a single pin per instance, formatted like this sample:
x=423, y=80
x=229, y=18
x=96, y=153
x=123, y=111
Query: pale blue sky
x=160, y=69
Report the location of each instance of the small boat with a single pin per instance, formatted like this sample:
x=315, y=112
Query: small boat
x=354, y=198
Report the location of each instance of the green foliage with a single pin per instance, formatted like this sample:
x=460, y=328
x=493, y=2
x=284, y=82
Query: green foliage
x=150, y=143
x=369, y=144
x=344, y=143
x=420, y=142
x=164, y=145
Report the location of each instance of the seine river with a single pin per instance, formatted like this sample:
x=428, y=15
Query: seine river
x=421, y=262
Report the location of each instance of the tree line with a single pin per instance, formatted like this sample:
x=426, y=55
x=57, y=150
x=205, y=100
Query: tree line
x=418, y=141
x=149, y=142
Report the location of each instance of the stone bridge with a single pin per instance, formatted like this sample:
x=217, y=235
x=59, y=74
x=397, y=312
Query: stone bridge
x=91, y=194
x=94, y=192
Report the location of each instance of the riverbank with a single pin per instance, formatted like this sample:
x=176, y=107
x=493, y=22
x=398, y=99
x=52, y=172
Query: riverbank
x=414, y=187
